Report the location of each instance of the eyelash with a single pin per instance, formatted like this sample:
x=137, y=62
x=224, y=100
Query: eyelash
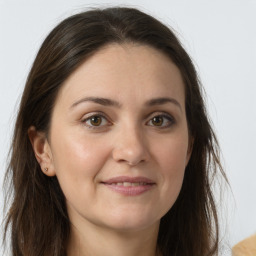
x=165, y=117
x=170, y=120
x=95, y=115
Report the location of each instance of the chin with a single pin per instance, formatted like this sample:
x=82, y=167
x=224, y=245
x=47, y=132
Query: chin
x=128, y=221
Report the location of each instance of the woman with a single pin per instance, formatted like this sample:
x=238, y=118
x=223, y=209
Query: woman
x=113, y=153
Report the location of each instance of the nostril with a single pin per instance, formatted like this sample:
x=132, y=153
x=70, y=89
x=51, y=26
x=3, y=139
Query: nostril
x=130, y=158
x=130, y=148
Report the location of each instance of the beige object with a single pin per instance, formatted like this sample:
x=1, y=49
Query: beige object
x=246, y=247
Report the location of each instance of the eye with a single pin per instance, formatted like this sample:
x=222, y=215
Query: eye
x=161, y=121
x=95, y=121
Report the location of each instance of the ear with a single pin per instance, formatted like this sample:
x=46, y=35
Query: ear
x=42, y=151
x=190, y=148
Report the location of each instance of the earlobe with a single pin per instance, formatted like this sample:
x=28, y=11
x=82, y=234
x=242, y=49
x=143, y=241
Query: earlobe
x=42, y=151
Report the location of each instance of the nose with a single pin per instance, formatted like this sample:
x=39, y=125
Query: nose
x=131, y=147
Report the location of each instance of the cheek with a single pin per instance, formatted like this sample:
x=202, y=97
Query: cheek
x=77, y=161
x=172, y=156
x=172, y=153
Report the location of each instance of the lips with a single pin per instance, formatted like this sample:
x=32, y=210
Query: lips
x=129, y=186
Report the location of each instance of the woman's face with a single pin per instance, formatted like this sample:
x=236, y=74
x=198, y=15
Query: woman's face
x=119, y=139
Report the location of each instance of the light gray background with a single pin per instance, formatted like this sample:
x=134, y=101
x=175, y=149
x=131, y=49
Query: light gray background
x=220, y=36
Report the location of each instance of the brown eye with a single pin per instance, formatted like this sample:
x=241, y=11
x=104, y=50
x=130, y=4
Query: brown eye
x=95, y=120
x=161, y=121
x=157, y=121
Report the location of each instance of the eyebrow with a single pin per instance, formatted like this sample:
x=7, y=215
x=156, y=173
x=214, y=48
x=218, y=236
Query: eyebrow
x=162, y=101
x=101, y=101
x=113, y=103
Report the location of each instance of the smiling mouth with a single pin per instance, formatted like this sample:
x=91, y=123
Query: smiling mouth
x=129, y=186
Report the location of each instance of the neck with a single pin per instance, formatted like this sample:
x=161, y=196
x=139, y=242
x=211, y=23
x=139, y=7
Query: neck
x=98, y=241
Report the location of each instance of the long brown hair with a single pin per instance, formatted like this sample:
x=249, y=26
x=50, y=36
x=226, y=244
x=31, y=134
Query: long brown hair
x=37, y=219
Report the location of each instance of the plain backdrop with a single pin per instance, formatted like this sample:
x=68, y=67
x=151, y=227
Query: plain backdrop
x=219, y=35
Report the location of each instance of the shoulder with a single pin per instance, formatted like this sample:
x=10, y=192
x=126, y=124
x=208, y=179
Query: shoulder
x=246, y=247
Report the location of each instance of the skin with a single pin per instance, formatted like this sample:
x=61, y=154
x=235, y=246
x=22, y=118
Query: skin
x=128, y=142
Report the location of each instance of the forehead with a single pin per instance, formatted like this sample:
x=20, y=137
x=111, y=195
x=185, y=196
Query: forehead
x=124, y=71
